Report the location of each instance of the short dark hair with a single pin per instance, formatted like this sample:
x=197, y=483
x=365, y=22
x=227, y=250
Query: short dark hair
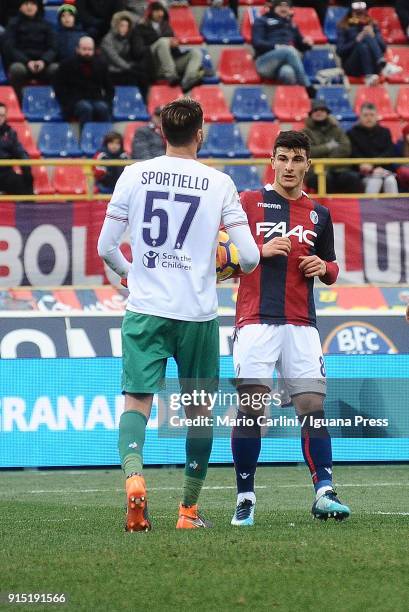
x=181, y=119
x=291, y=139
x=111, y=137
x=368, y=106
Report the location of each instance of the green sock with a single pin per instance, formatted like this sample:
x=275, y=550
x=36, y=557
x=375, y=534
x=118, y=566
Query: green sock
x=198, y=448
x=132, y=427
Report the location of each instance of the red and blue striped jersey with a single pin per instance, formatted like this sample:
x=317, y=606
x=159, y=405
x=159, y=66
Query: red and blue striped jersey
x=277, y=292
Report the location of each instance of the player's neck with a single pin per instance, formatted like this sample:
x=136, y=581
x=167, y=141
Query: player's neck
x=288, y=194
x=186, y=152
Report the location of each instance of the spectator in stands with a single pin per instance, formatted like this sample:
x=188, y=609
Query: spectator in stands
x=30, y=46
x=171, y=62
x=328, y=139
x=137, y=7
x=127, y=63
x=10, y=148
x=83, y=85
x=402, y=9
x=369, y=139
x=361, y=47
x=69, y=31
x=95, y=16
x=402, y=150
x=148, y=141
x=276, y=41
x=107, y=176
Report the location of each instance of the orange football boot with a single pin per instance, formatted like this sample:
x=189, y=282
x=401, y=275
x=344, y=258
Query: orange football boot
x=189, y=518
x=137, y=505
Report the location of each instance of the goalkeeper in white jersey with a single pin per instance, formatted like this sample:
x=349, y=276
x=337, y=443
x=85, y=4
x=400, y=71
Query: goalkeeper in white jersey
x=173, y=206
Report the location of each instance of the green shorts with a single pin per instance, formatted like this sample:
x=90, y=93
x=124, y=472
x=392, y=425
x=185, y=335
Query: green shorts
x=148, y=341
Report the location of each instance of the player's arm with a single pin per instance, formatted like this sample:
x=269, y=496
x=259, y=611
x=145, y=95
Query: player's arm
x=322, y=264
x=236, y=225
x=115, y=224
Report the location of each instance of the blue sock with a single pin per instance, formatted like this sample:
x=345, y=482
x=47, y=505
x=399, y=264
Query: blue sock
x=245, y=445
x=317, y=451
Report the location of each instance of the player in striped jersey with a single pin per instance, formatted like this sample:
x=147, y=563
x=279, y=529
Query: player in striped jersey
x=276, y=323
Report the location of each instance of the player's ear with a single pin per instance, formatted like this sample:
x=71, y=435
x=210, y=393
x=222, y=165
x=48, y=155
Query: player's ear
x=308, y=164
x=272, y=160
x=200, y=136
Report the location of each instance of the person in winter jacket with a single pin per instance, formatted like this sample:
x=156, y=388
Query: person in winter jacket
x=30, y=46
x=107, y=176
x=83, y=86
x=127, y=63
x=137, y=7
x=328, y=139
x=148, y=141
x=95, y=16
x=369, y=139
x=69, y=31
x=10, y=148
x=402, y=150
x=277, y=42
x=172, y=63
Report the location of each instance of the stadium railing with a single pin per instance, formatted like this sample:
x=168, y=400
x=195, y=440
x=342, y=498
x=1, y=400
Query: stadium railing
x=319, y=165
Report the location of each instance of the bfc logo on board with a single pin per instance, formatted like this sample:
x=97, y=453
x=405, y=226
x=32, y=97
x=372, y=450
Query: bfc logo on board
x=358, y=338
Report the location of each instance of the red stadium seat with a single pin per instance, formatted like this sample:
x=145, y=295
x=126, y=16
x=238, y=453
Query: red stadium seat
x=402, y=102
x=395, y=128
x=42, y=183
x=400, y=56
x=214, y=105
x=162, y=94
x=70, y=179
x=9, y=98
x=298, y=126
x=129, y=132
x=291, y=103
x=306, y=19
x=248, y=20
x=261, y=137
x=26, y=138
x=237, y=66
x=268, y=175
x=389, y=24
x=184, y=25
x=377, y=95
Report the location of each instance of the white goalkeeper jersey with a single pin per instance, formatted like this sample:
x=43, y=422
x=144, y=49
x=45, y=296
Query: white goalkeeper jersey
x=173, y=207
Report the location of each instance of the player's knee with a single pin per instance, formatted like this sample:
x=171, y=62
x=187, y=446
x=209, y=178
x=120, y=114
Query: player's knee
x=308, y=403
x=253, y=399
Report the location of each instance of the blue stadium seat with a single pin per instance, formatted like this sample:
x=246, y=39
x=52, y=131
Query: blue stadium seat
x=333, y=15
x=219, y=26
x=40, y=104
x=51, y=15
x=321, y=59
x=347, y=125
x=58, y=140
x=92, y=136
x=224, y=140
x=338, y=101
x=3, y=75
x=53, y=2
x=210, y=76
x=246, y=178
x=251, y=104
x=128, y=105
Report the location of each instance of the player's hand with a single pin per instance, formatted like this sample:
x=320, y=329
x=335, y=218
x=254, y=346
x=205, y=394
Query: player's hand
x=277, y=246
x=312, y=265
x=308, y=41
x=124, y=283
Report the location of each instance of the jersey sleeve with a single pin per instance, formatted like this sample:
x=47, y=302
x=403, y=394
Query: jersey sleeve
x=119, y=204
x=325, y=242
x=233, y=214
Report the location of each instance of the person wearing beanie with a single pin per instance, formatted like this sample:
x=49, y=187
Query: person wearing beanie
x=30, y=46
x=277, y=43
x=69, y=32
x=328, y=139
x=402, y=150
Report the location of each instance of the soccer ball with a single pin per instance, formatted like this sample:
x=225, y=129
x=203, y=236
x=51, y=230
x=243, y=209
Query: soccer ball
x=227, y=258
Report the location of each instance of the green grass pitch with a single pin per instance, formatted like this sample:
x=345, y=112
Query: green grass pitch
x=62, y=532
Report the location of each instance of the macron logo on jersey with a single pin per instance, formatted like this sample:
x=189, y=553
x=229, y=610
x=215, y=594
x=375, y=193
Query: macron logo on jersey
x=269, y=229
x=269, y=205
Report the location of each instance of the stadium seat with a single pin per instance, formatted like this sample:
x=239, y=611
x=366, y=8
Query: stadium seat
x=129, y=132
x=224, y=140
x=9, y=98
x=400, y=56
x=162, y=94
x=338, y=101
x=70, y=179
x=51, y=15
x=3, y=75
x=128, y=105
x=389, y=24
x=261, y=137
x=395, y=128
x=26, y=138
x=333, y=15
x=297, y=126
x=246, y=178
x=184, y=25
x=212, y=100
x=306, y=19
x=346, y=125
x=251, y=104
x=268, y=175
x=248, y=20
x=378, y=96
x=219, y=26
x=237, y=66
x=40, y=104
x=321, y=59
x=41, y=182
x=291, y=103
x=92, y=136
x=58, y=140
x=210, y=76
x=402, y=102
